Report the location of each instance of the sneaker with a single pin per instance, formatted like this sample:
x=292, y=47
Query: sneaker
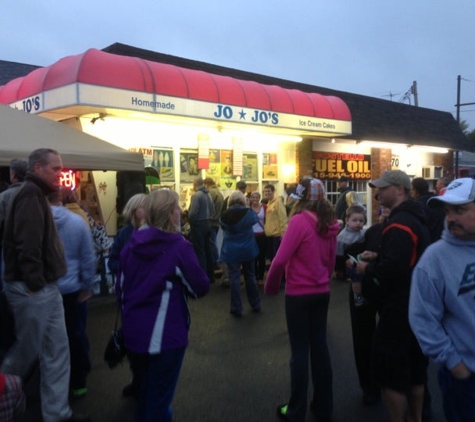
x=359, y=300
x=282, y=412
x=79, y=392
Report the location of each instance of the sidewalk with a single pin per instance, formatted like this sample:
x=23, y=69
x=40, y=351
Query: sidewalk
x=235, y=370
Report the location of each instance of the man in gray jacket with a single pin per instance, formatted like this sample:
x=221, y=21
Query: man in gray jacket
x=200, y=213
x=218, y=200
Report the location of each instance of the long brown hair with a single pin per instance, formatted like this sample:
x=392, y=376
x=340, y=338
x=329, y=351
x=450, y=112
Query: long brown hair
x=323, y=208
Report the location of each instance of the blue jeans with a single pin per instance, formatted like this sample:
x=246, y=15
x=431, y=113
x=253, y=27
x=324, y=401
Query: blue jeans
x=458, y=397
x=306, y=317
x=252, y=290
x=158, y=377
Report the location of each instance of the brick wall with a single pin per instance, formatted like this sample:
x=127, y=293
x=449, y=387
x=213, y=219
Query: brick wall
x=304, y=157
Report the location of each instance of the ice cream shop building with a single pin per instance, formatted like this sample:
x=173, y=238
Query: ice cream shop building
x=191, y=118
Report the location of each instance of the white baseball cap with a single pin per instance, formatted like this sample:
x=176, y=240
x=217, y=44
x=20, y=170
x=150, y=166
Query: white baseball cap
x=459, y=192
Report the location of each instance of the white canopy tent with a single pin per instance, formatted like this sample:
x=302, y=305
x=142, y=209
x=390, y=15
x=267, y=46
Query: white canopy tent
x=21, y=133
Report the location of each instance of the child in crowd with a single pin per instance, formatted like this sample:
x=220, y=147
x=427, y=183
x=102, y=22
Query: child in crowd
x=352, y=233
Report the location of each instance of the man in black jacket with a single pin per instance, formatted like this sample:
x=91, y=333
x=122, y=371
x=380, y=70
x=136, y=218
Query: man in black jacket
x=200, y=213
x=399, y=366
x=34, y=260
x=434, y=216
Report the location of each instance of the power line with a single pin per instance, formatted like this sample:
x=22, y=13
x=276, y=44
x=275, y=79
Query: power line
x=390, y=95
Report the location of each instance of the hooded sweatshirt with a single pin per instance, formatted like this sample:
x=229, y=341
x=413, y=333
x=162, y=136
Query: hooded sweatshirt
x=405, y=236
x=442, y=306
x=79, y=252
x=308, y=258
x=239, y=243
x=157, y=271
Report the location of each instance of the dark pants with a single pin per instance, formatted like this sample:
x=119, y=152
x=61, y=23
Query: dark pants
x=7, y=326
x=273, y=243
x=158, y=377
x=307, y=327
x=201, y=240
x=363, y=327
x=234, y=270
x=75, y=316
x=458, y=397
x=214, y=246
x=261, y=258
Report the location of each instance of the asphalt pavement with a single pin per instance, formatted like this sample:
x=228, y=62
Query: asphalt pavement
x=234, y=369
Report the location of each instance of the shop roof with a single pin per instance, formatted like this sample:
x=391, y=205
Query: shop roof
x=12, y=70
x=97, y=68
x=372, y=118
x=22, y=133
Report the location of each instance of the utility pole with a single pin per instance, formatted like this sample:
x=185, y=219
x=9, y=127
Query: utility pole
x=458, y=105
x=414, y=92
x=458, y=122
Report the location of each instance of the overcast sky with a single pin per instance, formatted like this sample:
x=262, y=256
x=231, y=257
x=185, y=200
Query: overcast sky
x=368, y=47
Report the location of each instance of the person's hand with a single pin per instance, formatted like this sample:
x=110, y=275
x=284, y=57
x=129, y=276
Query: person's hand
x=361, y=267
x=368, y=256
x=350, y=263
x=84, y=295
x=460, y=371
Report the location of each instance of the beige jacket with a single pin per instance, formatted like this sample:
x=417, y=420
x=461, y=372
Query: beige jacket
x=276, y=218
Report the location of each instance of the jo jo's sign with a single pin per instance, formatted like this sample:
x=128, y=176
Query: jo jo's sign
x=332, y=165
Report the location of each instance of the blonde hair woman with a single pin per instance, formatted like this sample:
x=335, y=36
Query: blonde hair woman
x=239, y=250
x=157, y=270
x=134, y=217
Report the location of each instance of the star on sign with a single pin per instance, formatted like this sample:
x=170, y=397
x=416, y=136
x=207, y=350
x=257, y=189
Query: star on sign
x=242, y=115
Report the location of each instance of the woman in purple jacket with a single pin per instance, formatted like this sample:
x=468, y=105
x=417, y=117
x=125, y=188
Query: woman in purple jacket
x=158, y=270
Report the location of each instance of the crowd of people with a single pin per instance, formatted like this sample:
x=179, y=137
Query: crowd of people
x=406, y=304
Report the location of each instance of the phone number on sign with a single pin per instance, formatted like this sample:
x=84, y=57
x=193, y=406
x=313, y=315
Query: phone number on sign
x=325, y=175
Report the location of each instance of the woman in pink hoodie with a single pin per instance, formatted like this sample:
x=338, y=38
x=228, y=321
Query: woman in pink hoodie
x=307, y=256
